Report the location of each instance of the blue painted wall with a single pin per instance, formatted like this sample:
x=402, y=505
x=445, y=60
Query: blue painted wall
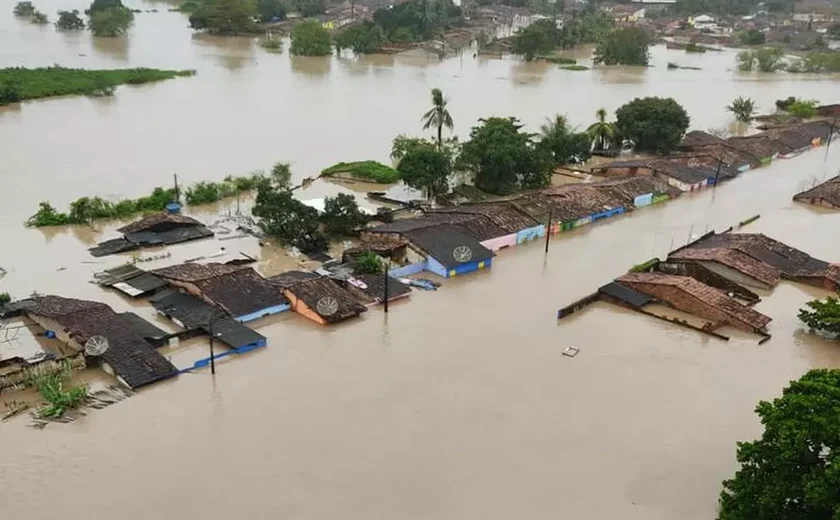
x=436, y=267
x=263, y=312
x=643, y=200
x=530, y=234
x=408, y=270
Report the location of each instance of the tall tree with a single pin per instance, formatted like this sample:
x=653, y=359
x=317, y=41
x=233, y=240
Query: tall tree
x=438, y=116
x=310, y=38
x=601, y=133
x=823, y=316
x=626, y=46
x=342, y=216
x=793, y=471
x=654, y=124
x=503, y=158
x=225, y=16
x=426, y=167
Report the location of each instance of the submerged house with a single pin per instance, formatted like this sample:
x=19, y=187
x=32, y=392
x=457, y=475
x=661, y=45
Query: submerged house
x=517, y=225
x=129, y=357
x=155, y=230
x=130, y=280
x=449, y=251
x=239, y=290
x=694, y=297
x=316, y=297
x=369, y=289
x=826, y=194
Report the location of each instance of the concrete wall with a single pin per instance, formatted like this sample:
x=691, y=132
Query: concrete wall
x=494, y=244
x=436, y=267
x=530, y=234
x=60, y=333
x=408, y=270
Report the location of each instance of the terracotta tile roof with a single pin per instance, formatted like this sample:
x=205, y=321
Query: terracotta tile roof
x=790, y=261
x=733, y=259
x=699, y=138
x=319, y=294
x=828, y=191
x=56, y=306
x=194, y=272
x=156, y=220
x=290, y=278
x=707, y=295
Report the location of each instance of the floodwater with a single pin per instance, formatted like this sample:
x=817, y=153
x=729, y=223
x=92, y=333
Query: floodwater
x=458, y=404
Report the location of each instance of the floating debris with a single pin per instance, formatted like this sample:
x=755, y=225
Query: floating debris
x=95, y=400
x=571, y=351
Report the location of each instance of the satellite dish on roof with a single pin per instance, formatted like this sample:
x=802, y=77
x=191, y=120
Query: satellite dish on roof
x=96, y=346
x=327, y=306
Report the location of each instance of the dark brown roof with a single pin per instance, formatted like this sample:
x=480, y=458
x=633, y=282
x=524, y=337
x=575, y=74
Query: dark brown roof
x=328, y=299
x=505, y=215
x=574, y=201
x=733, y=259
x=708, y=295
x=193, y=272
x=241, y=292
x=376, y=287
x=429, y=220
x=699, y=138
x=290, y=278
x=760, y=145
x=790, y=261
x=158, y=219
x=828, y=191
x=56, y=306
x=441, y=243
x=132, y=357
x=628, y=187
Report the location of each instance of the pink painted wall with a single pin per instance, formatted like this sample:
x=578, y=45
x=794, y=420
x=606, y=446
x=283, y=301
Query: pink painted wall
x=494, y=244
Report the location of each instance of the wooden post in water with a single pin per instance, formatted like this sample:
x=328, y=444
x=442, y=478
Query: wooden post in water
x=212, y=354
x=386, y=287
x=548, y=229
x=177, y=190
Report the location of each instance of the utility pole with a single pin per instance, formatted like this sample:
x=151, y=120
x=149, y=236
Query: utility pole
x=212, y=354
x=717, y=174
x=386, y=287
x=177, y=190
x=548, y=229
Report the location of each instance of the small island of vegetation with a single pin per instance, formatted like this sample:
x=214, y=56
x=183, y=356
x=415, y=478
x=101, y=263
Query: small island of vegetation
x=367, y=170
x=21, y=84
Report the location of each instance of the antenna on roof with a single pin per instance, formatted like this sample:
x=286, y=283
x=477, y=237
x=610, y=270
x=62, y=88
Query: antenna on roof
x=96, y=345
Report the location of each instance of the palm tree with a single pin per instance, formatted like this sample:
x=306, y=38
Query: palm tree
x=743, y=109
x=438, y=116
x=554, y=128
x=601, y=132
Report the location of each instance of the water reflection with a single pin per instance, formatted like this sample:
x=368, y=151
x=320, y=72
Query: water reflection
x=530, y=73
x=315, y=66
x=116, y=48
x=232, y=53
x=619, y=75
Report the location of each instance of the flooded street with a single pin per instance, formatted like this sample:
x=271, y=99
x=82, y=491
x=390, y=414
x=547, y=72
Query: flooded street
x=458, y=404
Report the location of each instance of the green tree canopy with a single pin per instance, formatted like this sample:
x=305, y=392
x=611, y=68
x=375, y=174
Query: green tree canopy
x=104, y=5
x=110, y=22
x=293, y=222
x=361, y=38
x=822, y=316
x=24, y=9
x=418, y=19
x=368, y=263
x=69, y=21
x=342, y=215
x=793, y=471
x=503, y=158
x=654, y=124
x=562, y=143
x=426, y=167
x=752, y=37
x=310, y=38
x=626, y=46
x=309, y=8
x=537, y=39
x=269, y=10
x=225, y=16
x=765, y=59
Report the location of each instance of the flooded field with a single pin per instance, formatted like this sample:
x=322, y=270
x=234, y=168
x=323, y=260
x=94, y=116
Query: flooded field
x=458, y=404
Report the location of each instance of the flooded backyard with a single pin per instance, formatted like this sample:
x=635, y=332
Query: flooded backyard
x=458, y=403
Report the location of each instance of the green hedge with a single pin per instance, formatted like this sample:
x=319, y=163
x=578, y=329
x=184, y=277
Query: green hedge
x=369, y=170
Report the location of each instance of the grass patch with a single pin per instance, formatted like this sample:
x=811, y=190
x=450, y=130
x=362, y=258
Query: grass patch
x=272, y=45
x=645, y=266
x=87, y=209
x=574, y=67
x=369, y=170
x=20, y=84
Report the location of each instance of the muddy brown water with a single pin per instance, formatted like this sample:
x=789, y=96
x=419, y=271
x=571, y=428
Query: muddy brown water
x=459, y=403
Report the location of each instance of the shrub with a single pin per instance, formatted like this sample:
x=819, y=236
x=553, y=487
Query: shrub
x=69, y=21
x=368, y=263
x=24, y=9
x=4, y=298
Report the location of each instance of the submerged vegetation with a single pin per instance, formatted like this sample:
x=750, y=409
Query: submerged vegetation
x=369, y=170
x=822, y=315
x=20, y=84
x=24, y=9
x=368, y=263
x=59, y=399
x=4, y=298
x=743, y=109
x=87, y=209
